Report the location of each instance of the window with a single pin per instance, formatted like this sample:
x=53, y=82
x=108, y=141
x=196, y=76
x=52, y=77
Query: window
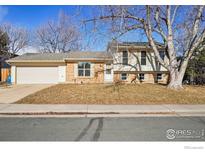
x=108, y=68
x=143, y=57
x=159, y=76
x=161, y=53
x=108, y=71
x=108, y=65
x=141, y=77
x=123, y=76
x=124, y=57
x=84, y=69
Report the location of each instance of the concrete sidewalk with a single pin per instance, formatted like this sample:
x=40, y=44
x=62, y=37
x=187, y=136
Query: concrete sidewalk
x=100, y=110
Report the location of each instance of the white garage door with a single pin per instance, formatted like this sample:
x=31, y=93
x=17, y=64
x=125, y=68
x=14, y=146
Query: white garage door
x=35, y=75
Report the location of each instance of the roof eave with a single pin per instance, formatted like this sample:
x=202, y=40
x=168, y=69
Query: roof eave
x=136, y=47
x=34, y=61
x=88, y=59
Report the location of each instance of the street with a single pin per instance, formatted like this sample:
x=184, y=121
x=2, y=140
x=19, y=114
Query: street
x=103, y=129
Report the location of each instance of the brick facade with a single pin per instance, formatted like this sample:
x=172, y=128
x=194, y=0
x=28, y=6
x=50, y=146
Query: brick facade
x=97, y=73
x=148, y=78
x=70, y=73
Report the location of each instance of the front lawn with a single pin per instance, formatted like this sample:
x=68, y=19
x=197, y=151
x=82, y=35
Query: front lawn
x=110, y=94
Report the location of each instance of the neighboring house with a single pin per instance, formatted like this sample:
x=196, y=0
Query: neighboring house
x=122, y=62
x=135, y=62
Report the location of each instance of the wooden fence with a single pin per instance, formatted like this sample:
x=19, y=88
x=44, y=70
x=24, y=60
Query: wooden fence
x=4, y=74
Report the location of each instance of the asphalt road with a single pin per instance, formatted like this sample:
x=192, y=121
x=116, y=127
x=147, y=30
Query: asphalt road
x=103, y=129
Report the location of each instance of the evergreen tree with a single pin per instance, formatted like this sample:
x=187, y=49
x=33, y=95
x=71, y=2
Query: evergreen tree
x=195, y=72
x=4, y=42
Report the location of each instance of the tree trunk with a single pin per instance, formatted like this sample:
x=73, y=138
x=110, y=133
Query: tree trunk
x=176, y=76
x=176, y=79
x=175, y=83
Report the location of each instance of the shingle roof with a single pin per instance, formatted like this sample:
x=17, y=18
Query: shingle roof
x=115, y=43
x=61, y=56
x=89, y=55
x=41, y=56
x=139, y=43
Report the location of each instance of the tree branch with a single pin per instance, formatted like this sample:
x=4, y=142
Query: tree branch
x=159, y=30
x=148, y=31
x=174, y=14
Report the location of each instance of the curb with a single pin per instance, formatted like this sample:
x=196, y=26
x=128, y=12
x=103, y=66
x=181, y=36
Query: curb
x=79, y=113
x=97, y=114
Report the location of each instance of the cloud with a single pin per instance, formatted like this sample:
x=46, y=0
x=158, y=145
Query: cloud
x=3, y=12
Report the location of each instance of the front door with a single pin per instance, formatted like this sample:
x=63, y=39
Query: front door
x=108, y=77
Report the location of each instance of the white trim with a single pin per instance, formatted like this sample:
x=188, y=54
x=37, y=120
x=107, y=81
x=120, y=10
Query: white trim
x=13, y=74
x=61, y=73
x=92, y=71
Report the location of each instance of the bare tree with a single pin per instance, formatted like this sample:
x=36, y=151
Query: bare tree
x=18, y=37
x=181, y=35
x=60, y=36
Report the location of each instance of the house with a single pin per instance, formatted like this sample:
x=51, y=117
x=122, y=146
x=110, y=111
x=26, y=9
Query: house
x=134, y=62
x=131, y=62
x=72, y=67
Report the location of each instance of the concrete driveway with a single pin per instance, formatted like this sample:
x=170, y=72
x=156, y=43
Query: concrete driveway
x=15, y=92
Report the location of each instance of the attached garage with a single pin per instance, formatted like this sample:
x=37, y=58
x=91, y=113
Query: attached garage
x=36, y=75
x=38, y=68
x=52, y=68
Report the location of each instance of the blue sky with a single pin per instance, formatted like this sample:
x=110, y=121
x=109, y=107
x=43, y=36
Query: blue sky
x=31, y=17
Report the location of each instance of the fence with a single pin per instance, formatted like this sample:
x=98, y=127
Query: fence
x=4, y=74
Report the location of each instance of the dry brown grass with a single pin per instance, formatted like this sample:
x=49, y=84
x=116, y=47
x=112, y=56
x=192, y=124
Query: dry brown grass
x=121, y=94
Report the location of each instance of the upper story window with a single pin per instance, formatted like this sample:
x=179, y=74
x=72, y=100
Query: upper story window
x=143, y=58
x=162, y=54
x=125, y=58
x=84, y=69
